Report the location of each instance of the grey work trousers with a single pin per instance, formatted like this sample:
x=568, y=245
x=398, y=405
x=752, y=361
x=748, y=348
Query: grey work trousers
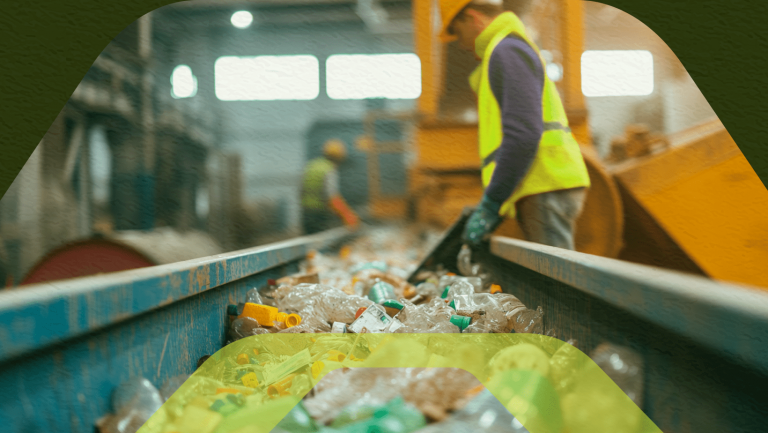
x=550, y=218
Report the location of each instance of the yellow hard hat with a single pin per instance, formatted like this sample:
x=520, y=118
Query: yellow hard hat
x=335, y=149
x=450, y=8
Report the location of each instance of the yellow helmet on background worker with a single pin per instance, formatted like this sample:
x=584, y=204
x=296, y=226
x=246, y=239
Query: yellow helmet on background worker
x=335, y=150
x=449, y=9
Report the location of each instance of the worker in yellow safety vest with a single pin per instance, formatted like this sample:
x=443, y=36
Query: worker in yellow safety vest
x=532, y=167
x=321, y=201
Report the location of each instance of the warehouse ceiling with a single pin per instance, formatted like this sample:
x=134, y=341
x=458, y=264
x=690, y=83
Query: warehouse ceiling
x=379, y=16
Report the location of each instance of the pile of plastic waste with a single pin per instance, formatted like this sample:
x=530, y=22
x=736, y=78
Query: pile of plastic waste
x=362, y=290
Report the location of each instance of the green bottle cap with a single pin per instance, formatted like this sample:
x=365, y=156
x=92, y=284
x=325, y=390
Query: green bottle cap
x=393, y=304
x=445, y=292
x=453, y=304
x=461, y=321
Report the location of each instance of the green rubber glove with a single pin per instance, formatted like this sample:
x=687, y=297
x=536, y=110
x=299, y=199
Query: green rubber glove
x=482, y=222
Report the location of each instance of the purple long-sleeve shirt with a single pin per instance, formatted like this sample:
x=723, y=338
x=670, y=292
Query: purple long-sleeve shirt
x=517, y=81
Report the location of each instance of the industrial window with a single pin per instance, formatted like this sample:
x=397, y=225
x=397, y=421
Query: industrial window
x=363, y=76
x=617, y=73
x=183, y=82
x=267, y=78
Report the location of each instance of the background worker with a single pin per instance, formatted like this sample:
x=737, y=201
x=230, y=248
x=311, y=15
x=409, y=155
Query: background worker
x=321, y=201
x=532, y=167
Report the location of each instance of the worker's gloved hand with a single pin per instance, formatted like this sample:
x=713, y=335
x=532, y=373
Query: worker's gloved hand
x=347, y=215
x=482, y=222
x=352, y=221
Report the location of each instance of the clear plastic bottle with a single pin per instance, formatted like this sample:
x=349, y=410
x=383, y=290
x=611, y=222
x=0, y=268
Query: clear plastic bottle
x=172, y=385
x=469, y=269
x=134, y=402
x=464, y=261
x=483, y=414
x=245, y=327
x=530, y=321
x=381, y=292
x=253, y=297
x=624, y=366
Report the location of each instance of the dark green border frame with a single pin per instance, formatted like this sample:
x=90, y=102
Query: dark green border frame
x=47, y=47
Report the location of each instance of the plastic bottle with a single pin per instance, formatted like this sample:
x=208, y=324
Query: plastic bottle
x=134, y=402
x=245, y=327
x=339, y=328
x=253, y=297
x=483, y=414
x=172, y=385
x=469, y=269
x=428, y=289
x=396, y=416
x=483, y=308
x=378, y=265
x=381, y=292
x=624, y=367
x=373, y=319
x=530, y=321
x=464, y=261
x=458, y=288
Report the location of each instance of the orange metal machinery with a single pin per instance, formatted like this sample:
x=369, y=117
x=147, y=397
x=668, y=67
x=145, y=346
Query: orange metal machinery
x=446, y=176
x=693, y=204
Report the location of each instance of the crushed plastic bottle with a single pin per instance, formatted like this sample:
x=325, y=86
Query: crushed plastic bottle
x=253, y=297
x=469, y=269
x=563, y=367
x=483, y=414
x=171, y=385
x=485, y=310
x=378, y=265
x=373, y=319
x=397, y=416
x=381, y=292
x=428, y=290
x=134, y=402
x=624, y=366
x=530, y=321
x=459, y=285
x=245, y=327
x=324, y=303
x=457, y=288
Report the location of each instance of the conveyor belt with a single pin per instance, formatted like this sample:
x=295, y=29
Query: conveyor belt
x=64, y=346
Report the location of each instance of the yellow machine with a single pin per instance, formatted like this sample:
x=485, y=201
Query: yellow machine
x=694, y=205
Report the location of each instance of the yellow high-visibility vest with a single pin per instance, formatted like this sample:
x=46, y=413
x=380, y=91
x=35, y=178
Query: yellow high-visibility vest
x=558, y=163
x=312, y=192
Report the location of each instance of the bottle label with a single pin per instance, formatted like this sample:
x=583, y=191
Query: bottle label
x=374, y=319
x=339, y=328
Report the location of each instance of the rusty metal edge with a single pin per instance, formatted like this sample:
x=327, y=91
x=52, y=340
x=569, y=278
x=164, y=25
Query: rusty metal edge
x=729, y=318
x=38, y=315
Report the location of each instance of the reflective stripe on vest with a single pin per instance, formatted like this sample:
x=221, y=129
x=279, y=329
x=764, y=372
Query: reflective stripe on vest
x=313, y=185
x=558, y=163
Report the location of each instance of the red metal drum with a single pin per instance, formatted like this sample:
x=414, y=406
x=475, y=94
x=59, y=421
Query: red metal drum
x=85, y=258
